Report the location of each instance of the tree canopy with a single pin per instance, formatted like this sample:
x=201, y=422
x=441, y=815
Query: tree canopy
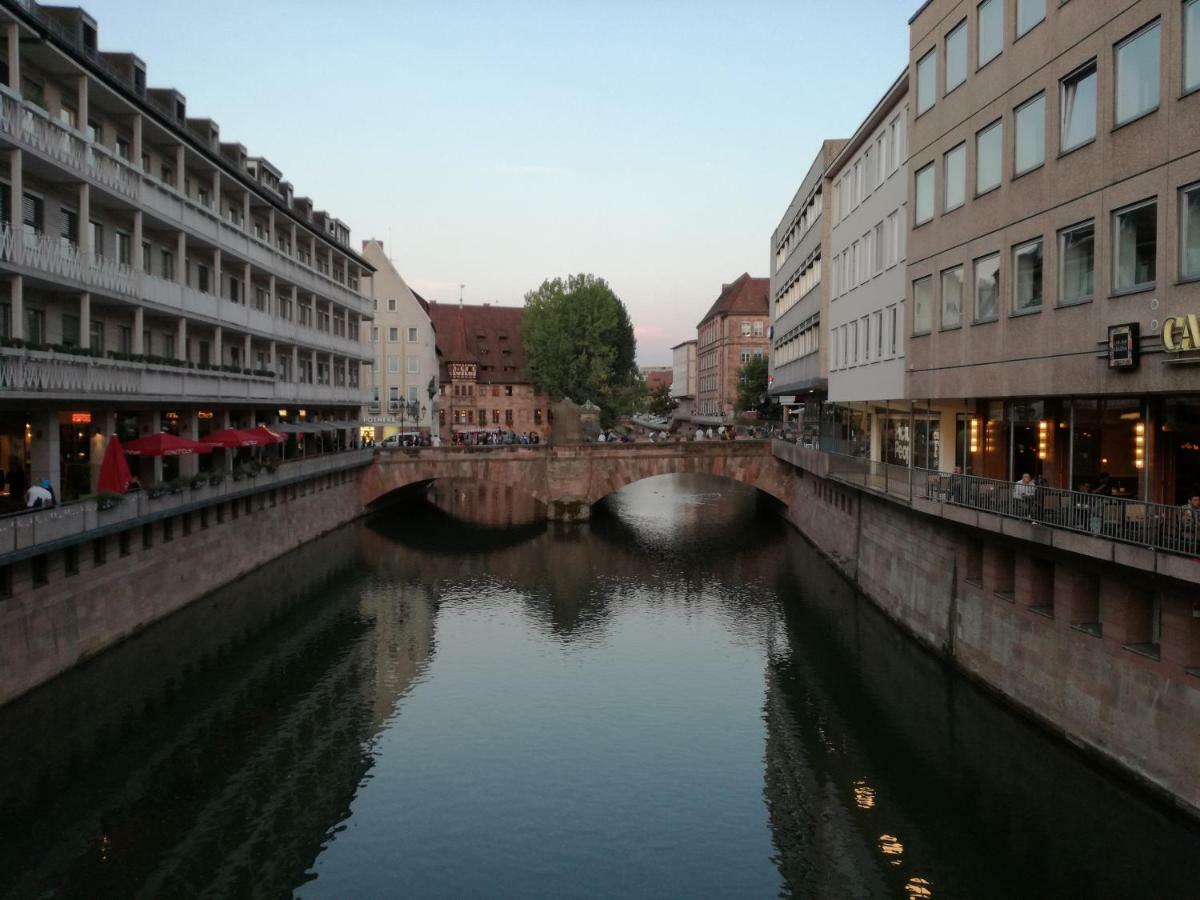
x=659, y=401
x=579, y=343
x=752, y=389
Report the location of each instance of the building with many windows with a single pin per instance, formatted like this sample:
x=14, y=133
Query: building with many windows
x=404, y=382
x=1054, y=246
x=683, y=378
x=732, y=332
x=154, y=277
x=482, y=381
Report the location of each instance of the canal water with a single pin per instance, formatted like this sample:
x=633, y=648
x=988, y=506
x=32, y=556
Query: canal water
x=680, y=699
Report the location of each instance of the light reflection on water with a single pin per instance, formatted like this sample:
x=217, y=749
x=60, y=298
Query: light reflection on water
x=679, y=699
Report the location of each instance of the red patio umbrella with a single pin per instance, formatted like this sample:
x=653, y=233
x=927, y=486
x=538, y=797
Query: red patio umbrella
x=114, y=470
x=164, y=444
x=231, y=437
x=266, y=436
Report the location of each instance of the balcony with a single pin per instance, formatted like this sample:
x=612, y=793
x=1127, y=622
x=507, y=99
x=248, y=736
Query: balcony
x=49, y=255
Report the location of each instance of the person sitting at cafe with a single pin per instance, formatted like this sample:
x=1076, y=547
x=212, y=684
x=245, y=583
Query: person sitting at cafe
x=1024, y=491
x=39, y=496
x=1104, y=486
x=1189, y=515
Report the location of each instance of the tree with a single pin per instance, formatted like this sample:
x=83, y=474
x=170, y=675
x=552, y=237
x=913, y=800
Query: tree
x=752, y=389
x=659, y=401
x=579, y=343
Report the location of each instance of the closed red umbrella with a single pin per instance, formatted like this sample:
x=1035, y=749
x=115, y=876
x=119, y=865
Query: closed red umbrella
x=231, y=437
x=266, y=436
x=164, y=444
x=114, y=470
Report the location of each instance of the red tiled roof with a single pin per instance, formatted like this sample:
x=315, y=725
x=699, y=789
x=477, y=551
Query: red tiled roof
x=746, y=296
x=424, y=303
x=488, y=336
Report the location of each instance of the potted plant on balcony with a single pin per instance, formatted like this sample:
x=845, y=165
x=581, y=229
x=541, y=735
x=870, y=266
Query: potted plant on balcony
x=175, y=486
x=156, y=490
x=199, y=480
x=107, y=500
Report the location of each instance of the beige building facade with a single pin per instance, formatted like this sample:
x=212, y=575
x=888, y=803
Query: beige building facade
x=1054, y=241
x=404, y=379
x=683, y=378
x=733, y=332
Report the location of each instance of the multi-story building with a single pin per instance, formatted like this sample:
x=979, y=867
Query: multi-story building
x=799, y=295
x=1054, y=251
x=683, y=378
x=657, y=377
x=732, y=332
x=404, y=384
x=867, y=275
x=154, y=276
x=482, y=380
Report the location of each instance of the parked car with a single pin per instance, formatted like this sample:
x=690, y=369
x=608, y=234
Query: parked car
x=402, y=439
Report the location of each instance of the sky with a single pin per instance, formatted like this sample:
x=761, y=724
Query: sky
x=654, y=143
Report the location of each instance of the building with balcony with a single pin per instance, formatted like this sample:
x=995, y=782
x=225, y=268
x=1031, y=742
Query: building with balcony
x=404, y=384
x=732, y=332
x=154, y=276
x=483, y=384
x=1054, y=243
x=683, y=378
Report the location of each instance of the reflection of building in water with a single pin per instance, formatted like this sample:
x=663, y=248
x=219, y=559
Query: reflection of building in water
x=218, y=749
x=480, y=503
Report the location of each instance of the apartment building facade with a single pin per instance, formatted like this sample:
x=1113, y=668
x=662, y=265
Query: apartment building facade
x=404, y=378
x=483, y=385
x=1054, y=245
x=732, y=332
x=799, y=294
x=154, y=276
x=683, y=378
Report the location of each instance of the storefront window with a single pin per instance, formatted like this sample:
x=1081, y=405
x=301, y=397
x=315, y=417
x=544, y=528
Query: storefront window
x=1108, y=457
x=1175, y=453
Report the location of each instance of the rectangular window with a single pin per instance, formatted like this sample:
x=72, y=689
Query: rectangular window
x=952, y=288
x=922, y=304
x=414, y=365
x=1077, y=255
x=877, y=248
x=927, y=81
x=956, y=56
x=124, y=249
x=70, y=330
x=1189, y=265
x=923, y=208
x=745, y=329
x=893, y=328
x=97, y=234
x=147, y=258
x=1030, y=138
x=1027, y=276
x=1191, y=45
x=1137, y=74
x=987, y=288
x=1029, y=14
x=954, y=177
x=202, y=278
x=1079, y=107
x=393, y=335
x=412, y=335
x=1135, y=236
x=879, y=334
x=991, y=30
x=989, y=151
x=96, y=335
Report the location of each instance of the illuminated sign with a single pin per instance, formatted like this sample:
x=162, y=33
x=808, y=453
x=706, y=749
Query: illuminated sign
x=1181, y=333
x=204, y=414
x=1124, y=346
x=81, y=418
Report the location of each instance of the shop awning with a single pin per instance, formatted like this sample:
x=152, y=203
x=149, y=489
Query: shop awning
x=165, y=444
x=232, y=437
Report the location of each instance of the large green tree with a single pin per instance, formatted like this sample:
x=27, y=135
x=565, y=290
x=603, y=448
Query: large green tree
x=579, y=343
x=752, y=389
x=659, y=401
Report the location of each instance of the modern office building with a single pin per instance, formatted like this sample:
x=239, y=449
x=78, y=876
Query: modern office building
x=1054, y=247
x=683, y=378
x=155, y=277
x=482, y=379
x=732, y=332
x=798, y=293
x=404, y=385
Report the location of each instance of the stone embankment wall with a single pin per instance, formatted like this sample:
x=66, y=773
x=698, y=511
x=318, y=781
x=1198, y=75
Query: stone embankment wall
x=1106, y=655
x=98, y=593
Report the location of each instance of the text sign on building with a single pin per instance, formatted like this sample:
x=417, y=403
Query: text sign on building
x=1123, y=346
x=81, y=418
x=1181, y=334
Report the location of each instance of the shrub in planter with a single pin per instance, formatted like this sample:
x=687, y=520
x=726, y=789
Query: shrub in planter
x=175, y=486
x=199, y=480
x=107, y=500
x=216, y=478
x=156, y=490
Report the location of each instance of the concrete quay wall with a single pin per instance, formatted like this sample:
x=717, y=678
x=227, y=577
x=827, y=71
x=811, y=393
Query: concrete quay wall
x=1106, y=655
x=83, y=600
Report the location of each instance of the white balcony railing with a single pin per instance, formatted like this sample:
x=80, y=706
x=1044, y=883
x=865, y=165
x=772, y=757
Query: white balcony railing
x=54, y=256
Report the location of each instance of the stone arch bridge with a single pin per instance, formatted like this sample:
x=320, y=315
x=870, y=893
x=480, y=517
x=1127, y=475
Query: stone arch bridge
x=567, y=480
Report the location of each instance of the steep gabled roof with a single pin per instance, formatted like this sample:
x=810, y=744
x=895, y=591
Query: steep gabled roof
x=488, y=336
x=746, y=296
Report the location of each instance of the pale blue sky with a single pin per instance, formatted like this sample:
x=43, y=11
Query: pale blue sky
x=656, y=144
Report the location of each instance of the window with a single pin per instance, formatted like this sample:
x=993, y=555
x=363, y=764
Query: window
x=1137, y=74
x=879, y=334
x=1029, y=13
x=923, y=208
x=1079, y=107
x=1189, y=265
x=1030, y=149
x=393, y=335
x=393, y=364
x=877, y=247
x=1027, y=277
x=412, y=335
x=202, y=278
x=147, y=258
x=414, y=365
x=96, y=335
x=1191, y=45
x=97, y=235
x=124, y=248
x=1077, y=253
x=954, y=176
x=952, y=287
x=922, y=304
x=991, y=30
x=745, y=329
x=758, y=329
x=989, y=151
x=987, y=288
x=893, y=327
x=927, y=81
x=70, y=330
x=31, y=214
x=956, y=56
x=391, y=305
x=1135, y=236
x=167, y=261
x=374, y=334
